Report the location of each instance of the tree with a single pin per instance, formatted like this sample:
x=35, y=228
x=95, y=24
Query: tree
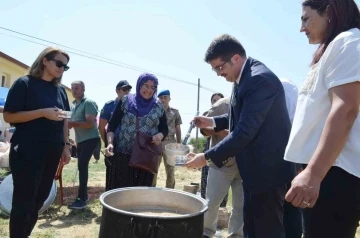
x=201, y=143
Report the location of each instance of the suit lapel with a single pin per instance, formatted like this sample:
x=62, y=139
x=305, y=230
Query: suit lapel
x=234, y=96
x=246, y=69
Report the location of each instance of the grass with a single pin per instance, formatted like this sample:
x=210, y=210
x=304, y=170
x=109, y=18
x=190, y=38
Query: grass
x=60, y=222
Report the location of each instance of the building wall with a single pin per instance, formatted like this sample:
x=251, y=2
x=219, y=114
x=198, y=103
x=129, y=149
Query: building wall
x=9, y=72
x=69, y=94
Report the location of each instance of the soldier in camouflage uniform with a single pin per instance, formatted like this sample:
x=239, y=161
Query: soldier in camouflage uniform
x=174, y=122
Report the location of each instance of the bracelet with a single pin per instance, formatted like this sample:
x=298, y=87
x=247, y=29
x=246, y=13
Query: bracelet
x=66, y=143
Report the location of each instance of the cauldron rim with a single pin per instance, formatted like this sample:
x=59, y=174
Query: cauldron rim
x=180, y=216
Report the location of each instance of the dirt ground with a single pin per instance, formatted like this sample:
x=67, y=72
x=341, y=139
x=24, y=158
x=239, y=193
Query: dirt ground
x=60, y=222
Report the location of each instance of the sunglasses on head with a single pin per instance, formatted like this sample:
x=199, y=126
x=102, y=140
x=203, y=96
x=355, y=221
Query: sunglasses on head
x=60, y=64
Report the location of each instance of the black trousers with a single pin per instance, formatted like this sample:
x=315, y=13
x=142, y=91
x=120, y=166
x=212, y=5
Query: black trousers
x=73, y=151
x=33, y=165
x=85, y=150
x=337, y=210
x=108, y=164
x=263, y=213
x=293, y=222
x=96, y=152
x=107, y=161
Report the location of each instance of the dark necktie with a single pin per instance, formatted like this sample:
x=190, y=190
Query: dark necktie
x=232, y=105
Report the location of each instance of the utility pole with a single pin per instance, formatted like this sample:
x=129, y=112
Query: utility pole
x=198, y=111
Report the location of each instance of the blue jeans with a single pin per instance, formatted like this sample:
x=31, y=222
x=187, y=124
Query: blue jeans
x=85, y=150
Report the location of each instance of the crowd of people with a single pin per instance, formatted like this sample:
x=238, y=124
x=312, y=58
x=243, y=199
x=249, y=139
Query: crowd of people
x=291, y=157
x=314, y=162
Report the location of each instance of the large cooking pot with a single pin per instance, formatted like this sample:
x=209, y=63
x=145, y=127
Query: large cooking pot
x=147, y=212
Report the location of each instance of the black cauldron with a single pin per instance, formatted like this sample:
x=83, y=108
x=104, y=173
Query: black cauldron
x=146, y=212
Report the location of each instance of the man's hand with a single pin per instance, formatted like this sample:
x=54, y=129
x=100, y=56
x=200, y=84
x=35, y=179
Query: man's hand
x=109, y=151
x=66, y=157
x=203, y=122
x=156, y=139
x=304, y=190
x=53, y=114
x=87, y=124
x=196, y=161
x=70, y=124
x=223, y=133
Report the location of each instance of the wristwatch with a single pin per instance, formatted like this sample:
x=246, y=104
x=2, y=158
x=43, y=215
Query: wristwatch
x=66, y=143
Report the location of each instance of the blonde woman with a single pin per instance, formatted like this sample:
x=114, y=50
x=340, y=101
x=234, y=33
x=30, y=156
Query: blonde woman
x=34, y=105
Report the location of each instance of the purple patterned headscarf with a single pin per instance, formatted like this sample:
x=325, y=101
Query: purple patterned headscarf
x=139, y=105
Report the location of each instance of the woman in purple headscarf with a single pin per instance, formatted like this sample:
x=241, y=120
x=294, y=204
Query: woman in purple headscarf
x=152, y=121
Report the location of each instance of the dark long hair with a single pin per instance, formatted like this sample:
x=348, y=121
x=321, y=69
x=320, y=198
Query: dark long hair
x=343, y=15
x=216, y=94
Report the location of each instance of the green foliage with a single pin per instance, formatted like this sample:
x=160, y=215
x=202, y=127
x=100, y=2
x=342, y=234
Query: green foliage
x=201, y=143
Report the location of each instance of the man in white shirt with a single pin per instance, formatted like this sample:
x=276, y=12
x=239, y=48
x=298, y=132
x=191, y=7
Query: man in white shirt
x=292, y=215
x=291, y=95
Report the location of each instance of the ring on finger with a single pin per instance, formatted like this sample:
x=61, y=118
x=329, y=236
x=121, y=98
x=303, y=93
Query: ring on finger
x=306, y=203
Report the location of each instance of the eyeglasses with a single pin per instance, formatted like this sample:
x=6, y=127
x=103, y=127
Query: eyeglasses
x=60, y=64
x=148, y=87
x=220, y=67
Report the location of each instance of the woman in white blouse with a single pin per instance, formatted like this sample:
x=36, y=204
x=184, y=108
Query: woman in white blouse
x=325, y=135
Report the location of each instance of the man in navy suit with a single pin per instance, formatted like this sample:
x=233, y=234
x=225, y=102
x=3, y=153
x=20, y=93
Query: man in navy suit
x=259, y=131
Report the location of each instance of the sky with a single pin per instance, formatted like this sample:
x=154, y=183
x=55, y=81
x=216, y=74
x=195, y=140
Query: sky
x=165, y=37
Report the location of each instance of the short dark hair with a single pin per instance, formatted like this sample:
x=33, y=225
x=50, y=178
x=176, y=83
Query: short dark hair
x=79, y=82
x=343, y=15
x=224, y=47
x=216, y=94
